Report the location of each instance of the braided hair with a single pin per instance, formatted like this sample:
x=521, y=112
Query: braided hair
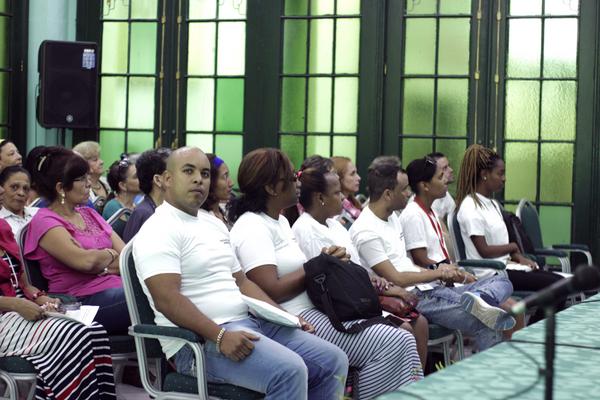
x=477, y=158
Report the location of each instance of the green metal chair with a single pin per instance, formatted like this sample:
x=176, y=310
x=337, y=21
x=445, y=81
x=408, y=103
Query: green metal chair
x=442, y=338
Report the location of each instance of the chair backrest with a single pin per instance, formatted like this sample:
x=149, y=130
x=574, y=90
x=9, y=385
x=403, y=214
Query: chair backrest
x=118, y=220
x=457, y=240
x=531, y=222
x=32, y=267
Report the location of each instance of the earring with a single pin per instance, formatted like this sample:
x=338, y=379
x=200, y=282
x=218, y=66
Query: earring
x=322, y=203
x=485, y=178
x=62, y=198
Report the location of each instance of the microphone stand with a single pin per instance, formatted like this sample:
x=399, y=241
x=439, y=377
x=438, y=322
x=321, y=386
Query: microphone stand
x=550, y=347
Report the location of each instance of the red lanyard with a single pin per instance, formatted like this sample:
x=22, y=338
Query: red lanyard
x=436, y=227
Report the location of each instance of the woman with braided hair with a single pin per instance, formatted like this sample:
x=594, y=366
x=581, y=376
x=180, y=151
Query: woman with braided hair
x=482, y=173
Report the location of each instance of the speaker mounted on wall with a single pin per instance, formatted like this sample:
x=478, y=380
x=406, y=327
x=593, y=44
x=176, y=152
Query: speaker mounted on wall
x=68, y=96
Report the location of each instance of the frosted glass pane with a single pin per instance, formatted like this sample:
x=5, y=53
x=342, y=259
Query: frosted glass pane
x=3, y=133
x=201, y=48
x=348, y=7
x=556, y=172
x=203, y=141
x=138, y=142
x=417, y=109
x=318, y=145
x=560, y=48
x=421, y=7
x=115, y=9
x=4, y=97
x=143, y=48
x=559, y=100
x=296, y=7
x=344, y=146
x=419, y=57
x=415, y=148
x=525, y=7
x=232, y=9
x=230, y=105
x=454, y=150
x=231, y=50
x=453, y=56
x=293, y=146
x=524, y=48
x=521, y=171
x=345, y=105
x=452, y=107
x=114, y=47
x=112, y=102
x=321, y=46
x=141, y=103
x=200, y=105
x=347, y=45
x=230, y=149
x=561, y=7
x=319, y=105
x=4, y=6
x=202, y=9
x=112, y=145
x=556, y=224
x=144, y=8
x=522, y=110
x=4, y=41
x=455, y=6
x=292, y=105
x=294, y=46
x=322, y=7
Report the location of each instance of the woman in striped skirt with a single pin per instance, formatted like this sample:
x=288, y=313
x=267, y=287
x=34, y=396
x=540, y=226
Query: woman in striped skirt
x=72, y=361
x=385, y=357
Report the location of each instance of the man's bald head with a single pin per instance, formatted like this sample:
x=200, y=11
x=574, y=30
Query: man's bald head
x=183, y=153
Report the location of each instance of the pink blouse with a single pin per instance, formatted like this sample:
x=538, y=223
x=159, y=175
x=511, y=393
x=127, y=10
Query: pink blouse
x=61, y=278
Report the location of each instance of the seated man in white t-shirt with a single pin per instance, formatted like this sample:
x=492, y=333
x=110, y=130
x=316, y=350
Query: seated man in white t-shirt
x=379, y=238
x=192, y=278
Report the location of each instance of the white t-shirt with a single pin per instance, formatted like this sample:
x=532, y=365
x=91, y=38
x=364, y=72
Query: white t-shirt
x=443, y=207
x=260, y=240
x=419, y=231
x=313, y=236
x=197, y=248
x=15, y=221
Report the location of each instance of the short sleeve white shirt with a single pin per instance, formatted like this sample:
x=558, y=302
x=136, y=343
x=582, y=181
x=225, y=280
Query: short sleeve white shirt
x=197, y=248
x=15, y=221
x=419, y=231
x=261, y=240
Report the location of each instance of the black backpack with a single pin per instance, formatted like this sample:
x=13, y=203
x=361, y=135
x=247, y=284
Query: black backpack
x=516, y=232
x=343, y=291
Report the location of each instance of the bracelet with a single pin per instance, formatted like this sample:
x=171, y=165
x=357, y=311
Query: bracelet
x=113, y=256
x=219, y=339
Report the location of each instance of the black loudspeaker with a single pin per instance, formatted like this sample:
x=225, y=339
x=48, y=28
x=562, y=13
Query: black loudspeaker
x=68, y=96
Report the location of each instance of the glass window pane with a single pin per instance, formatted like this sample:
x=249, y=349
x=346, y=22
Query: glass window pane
x=560, y=48
x=230, y=149
x=318, y=145
x=3, y=133
x=201, y=48
x=115, y=9
x=199, y=110
x=455, y=6
x=4, y=41
x=520, y=157
x=319, y=105
x=454, y=46
x=415, y=148
x=321, y=46
x=555, y=223
x=141, y=103
x=348, y=7
x=112, y=144
x=202, y=9
x=556, y=172
x=522, y=109
x=322, y=7
x=347, y=45
x=344, y=146
x=417, y=108
x=559, y=99
x=452, y=107
x=113, y=102
x=293, y=146
x=4, y=97
x=230, y=105
x=524, y=48
x=294, y=46
x=561, y=7
x=232, y=9
x=4, y=6
x=345, y=106
x=292, y=105
x=114, y=47
x=526, y=7
x=144, y=8
x=421, y=7
x=143, y=48
x=454, y=149
x=231, y=49
x=420, y=46
x=138, y=142
x=296, y=7
x=203, y=141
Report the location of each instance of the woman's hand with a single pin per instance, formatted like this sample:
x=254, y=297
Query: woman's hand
x=28, y=309
x=51, y=302
x=306, y=326
x=380, y=284
x=337, y=251
x=408, y=297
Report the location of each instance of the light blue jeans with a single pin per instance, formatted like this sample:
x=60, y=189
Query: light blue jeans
x=441, y=306
x=286, y=363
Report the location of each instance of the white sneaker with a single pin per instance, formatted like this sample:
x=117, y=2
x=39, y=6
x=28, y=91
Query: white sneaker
x=493, y=317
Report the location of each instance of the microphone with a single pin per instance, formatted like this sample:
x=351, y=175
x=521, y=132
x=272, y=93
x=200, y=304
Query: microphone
x=585, y=278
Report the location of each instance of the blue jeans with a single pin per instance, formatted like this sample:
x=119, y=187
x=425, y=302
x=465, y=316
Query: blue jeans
x=113, y=313
x=441, y=306
x=286, y=363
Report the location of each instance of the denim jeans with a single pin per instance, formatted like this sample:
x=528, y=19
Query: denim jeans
x=286, y=363
x=442, y=306
x=113, y=313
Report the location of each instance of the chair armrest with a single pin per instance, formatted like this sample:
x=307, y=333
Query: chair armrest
x=574, y=246
x=550, y=253
x=168, y=331
x=490, y=264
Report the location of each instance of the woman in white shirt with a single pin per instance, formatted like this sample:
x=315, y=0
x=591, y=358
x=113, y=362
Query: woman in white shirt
x=265, y=245
x=16, y=182
x=321, y=197
x=482, y=227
